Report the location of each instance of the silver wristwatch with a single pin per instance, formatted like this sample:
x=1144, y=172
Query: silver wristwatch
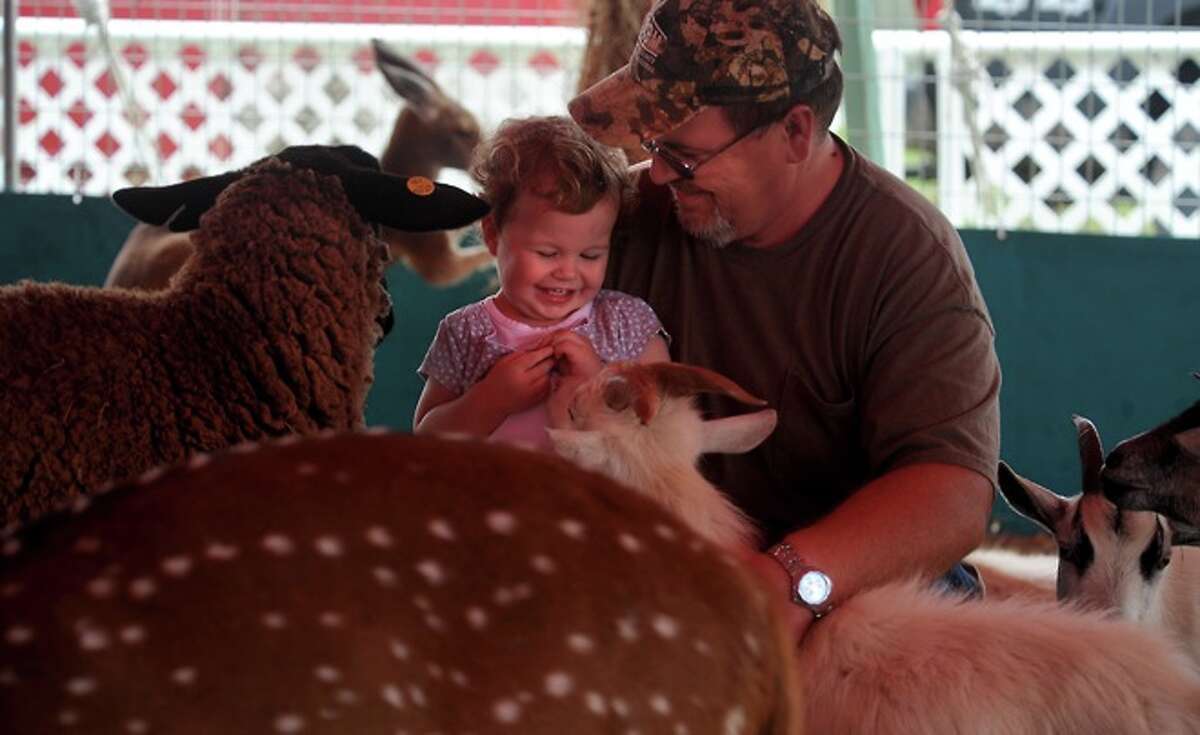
x=811, y=587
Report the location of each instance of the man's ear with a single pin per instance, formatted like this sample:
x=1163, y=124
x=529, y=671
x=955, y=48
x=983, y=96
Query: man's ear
x=800, y=126
x=491, y=233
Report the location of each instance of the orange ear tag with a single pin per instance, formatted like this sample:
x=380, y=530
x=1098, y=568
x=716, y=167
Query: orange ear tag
x=420, y=186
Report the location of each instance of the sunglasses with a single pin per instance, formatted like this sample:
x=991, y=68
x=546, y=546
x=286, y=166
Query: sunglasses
x=686, y=169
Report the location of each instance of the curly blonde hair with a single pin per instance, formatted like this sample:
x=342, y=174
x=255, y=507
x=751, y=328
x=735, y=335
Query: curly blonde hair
x=551, y=157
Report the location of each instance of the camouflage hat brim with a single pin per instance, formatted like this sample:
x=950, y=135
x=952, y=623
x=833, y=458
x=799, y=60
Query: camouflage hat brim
x=622, y=111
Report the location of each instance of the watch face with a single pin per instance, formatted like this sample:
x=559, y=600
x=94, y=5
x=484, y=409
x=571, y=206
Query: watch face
x=814, y=588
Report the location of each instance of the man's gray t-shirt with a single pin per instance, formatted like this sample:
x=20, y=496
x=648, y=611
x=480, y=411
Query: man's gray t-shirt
x=867, y=332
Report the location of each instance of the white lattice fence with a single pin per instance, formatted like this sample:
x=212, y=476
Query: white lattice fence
x=1081, y=132
x=213, y=96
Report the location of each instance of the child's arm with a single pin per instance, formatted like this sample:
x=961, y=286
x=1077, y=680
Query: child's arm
x=656, y=350
x=516, y=382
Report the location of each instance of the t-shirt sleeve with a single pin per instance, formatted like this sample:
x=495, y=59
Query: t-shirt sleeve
x=445, y=360
x=626, y=324
x=932, y=383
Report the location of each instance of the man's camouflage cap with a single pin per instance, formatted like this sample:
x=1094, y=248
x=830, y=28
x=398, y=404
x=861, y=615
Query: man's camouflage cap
x=692, y=54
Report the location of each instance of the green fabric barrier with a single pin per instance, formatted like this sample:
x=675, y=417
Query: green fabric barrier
x=1105, y=327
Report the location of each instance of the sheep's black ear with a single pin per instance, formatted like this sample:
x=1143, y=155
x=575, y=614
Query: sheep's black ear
x=177, y=206
x=411, y=203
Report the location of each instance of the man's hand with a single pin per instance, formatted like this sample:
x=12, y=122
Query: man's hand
x=519, y=380
x=778, y=584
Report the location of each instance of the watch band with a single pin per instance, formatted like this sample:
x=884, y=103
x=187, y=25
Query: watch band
x=797, y=568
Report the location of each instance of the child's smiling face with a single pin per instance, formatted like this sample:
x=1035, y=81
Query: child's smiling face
x=550, y=262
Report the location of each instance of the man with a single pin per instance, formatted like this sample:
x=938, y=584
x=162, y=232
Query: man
x=776, y=254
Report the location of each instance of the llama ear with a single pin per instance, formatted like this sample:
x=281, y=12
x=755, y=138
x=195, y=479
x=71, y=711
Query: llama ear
x=177, y=206
x=737, y=434
x=404, y=77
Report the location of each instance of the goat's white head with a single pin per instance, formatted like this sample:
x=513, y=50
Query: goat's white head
x=1108, y=557
x=648, y=408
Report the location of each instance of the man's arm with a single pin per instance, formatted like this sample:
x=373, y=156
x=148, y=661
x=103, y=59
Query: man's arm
x=917, y=520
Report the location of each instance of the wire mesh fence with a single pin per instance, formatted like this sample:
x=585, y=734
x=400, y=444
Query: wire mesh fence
x=1053, y=115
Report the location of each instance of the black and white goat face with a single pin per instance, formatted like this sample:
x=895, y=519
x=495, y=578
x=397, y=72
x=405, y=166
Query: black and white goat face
x=1109, y=558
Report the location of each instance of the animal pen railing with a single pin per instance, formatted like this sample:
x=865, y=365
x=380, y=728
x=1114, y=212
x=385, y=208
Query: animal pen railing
x=1061, y=132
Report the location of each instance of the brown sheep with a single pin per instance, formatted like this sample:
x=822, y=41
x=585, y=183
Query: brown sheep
x=270, y=329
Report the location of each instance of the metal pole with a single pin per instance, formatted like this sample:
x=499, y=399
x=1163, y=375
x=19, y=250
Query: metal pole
x=856, y=20
x=10, y=95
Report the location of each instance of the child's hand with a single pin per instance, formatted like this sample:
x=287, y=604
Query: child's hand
x=576, y=357
x=519, y=380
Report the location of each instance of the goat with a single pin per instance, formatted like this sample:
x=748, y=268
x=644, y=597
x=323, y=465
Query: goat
x=1131, y=562
x=431, y=132
x=896, y=659
x=635, y=423
x=383, y=583
x=1159, y=470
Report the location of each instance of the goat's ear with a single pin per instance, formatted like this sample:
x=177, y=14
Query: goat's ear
x=1037, y=503
x=737, y=434
x=1183, y=534
x=177, y=206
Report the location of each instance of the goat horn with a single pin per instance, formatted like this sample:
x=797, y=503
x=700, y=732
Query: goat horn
x=1091, y=453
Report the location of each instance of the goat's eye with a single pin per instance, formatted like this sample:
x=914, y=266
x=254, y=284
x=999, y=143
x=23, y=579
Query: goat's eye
x=1078, y=553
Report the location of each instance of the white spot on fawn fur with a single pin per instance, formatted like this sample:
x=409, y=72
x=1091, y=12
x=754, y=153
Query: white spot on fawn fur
x=501, y=522
x=380, y=537
x=441, y=528
x=328, y=546
x=573, y=528
x=218, y=551
x=558, y=684
x=580, y=643
x=18, y=635
x=431, y=571
x=506, y=711
x=177, y=566
x=278, y=544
